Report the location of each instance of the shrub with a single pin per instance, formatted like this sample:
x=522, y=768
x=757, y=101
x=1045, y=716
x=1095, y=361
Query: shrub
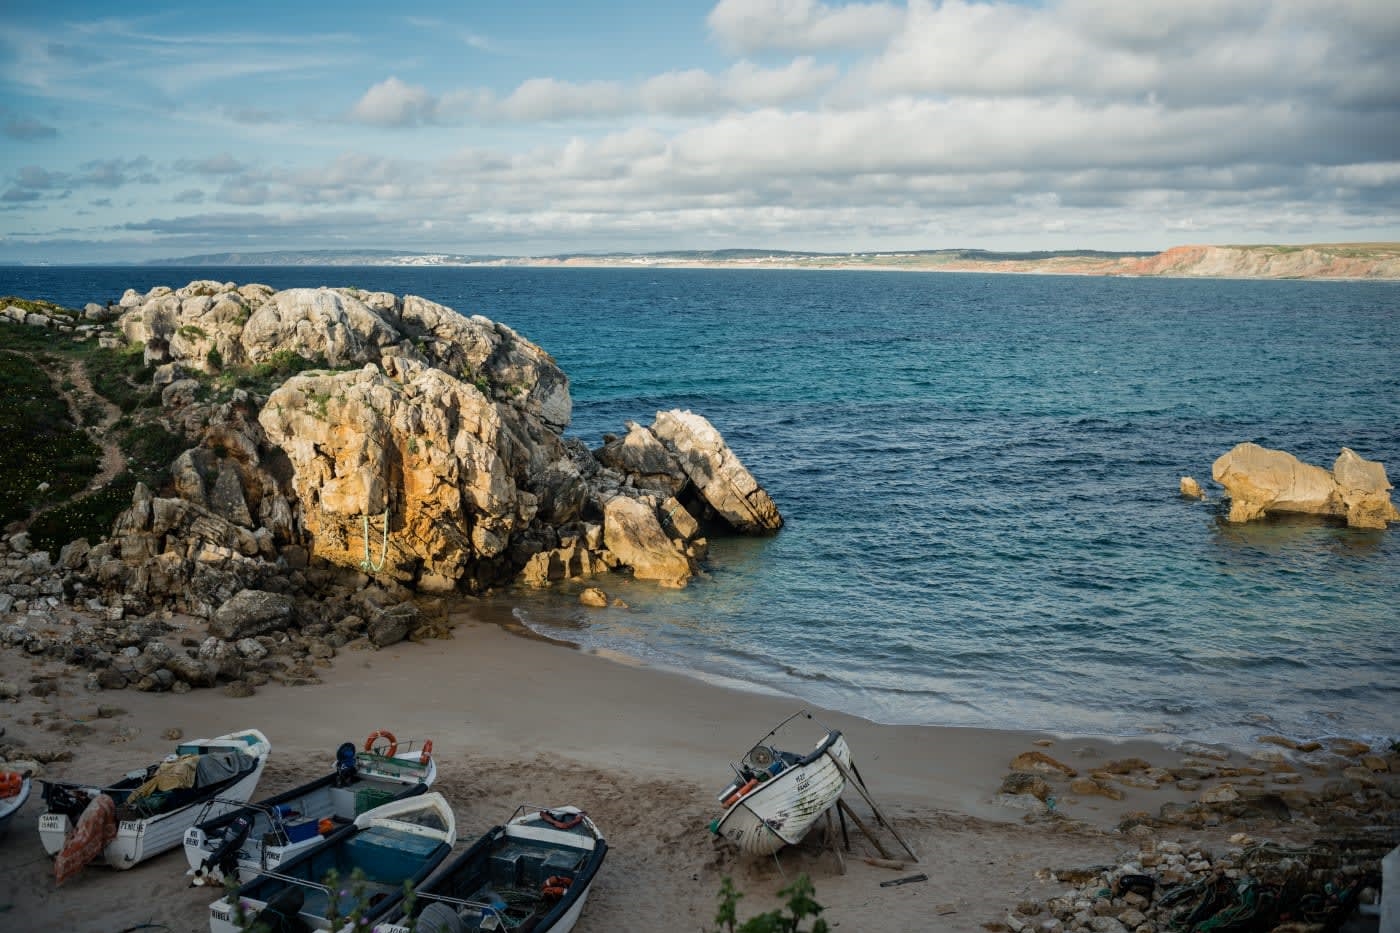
x=801, y=904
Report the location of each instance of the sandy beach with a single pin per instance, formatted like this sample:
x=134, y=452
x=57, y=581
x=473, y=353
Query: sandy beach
x=518, y=720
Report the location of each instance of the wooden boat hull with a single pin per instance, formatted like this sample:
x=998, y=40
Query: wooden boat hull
x=401, y=841
x=528, y=873
x=780, y=811
x=271, y=839
x=139, y=839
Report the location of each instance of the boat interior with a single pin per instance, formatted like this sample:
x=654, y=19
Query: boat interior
x=373, y=864
x=503, y=884
x=72, y=799
x=289, y=819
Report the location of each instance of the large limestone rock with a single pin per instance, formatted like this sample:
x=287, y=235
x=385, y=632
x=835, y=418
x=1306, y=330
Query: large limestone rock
x=1260, y=481
x=414, y=443
x=342, y=328
x=1364, y=490
x=633, y=533
x=717, y=473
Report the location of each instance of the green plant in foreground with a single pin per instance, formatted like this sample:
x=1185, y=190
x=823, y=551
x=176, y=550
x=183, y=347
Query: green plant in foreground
x=801, y=904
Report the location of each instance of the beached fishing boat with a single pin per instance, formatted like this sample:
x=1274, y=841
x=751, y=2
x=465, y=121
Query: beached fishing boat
x=777, y=795
x=369, y=861
x=532, y=873
x=14, y=793
x=259, y=836
x=153, y=806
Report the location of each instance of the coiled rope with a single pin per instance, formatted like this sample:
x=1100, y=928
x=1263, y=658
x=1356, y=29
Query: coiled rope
x=368, y=564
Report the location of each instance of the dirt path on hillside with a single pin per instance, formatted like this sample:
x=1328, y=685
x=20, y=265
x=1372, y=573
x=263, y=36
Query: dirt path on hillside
x=113, y=460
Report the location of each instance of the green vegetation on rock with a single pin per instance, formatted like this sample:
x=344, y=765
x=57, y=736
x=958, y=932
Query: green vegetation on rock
x=43, y=447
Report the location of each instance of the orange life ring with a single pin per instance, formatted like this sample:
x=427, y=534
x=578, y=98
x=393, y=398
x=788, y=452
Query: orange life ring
x=427, y=752
x=557, y=823
x=383, y=734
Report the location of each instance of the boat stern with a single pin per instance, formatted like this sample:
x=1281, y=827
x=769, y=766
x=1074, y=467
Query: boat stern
x=54, y=829
x=223, y=918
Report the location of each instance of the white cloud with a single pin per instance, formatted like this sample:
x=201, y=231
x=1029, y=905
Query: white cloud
x=694, y=91
x=749, y=84
x=549, y=99
x=759, y=25
x=392, y=102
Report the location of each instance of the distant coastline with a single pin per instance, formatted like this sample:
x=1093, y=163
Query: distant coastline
x=1337, y=261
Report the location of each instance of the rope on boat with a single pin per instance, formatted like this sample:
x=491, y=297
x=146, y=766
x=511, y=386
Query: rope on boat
x=368, y=564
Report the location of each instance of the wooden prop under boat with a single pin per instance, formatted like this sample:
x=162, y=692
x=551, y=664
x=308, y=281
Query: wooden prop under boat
x=260, y=836
x=778, y=795
x=151, y=820
x=14, y=793
x=397, y=844
x=534, y=872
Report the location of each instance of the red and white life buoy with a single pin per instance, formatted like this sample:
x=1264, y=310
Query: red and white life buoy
x=427, y=752
x=383, y=734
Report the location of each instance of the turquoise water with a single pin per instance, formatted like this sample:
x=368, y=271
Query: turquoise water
x=979, y=476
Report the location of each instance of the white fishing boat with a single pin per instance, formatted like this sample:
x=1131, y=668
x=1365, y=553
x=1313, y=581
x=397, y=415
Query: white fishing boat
x=153, y=806
x=777, y=795
x=240, y=843
x=14, y=793
x=533, y=873
x=364, y=868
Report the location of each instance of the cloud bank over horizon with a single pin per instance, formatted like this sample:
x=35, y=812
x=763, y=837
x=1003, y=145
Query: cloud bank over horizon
x=789, y=124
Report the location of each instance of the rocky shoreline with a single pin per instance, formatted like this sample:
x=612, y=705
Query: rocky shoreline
x=345, y=460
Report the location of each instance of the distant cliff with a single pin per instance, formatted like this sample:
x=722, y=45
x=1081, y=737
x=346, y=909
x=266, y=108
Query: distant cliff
x=1327, y=261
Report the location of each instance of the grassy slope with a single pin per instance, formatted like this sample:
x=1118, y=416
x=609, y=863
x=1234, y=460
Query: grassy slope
x=45, y=442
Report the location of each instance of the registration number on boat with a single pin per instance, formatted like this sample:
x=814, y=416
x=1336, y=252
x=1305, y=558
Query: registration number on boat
x=52, y=822
x=221, y=914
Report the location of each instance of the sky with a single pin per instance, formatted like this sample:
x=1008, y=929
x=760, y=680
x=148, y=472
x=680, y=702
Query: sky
x=135, y=131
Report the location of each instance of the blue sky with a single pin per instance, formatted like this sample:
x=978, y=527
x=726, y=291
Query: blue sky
x=136, y=131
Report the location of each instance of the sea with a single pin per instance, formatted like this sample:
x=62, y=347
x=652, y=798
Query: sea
x=979, y=476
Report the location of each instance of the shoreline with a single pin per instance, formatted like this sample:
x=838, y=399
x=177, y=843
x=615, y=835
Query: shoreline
x=1240, y=734
x=516, y=719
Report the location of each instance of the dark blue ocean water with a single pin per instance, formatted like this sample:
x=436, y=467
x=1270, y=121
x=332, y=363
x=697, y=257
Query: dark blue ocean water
x=979, y=475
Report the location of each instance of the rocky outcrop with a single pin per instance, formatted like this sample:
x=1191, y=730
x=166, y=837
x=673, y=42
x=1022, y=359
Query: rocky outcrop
x=720, y=478
x=1260, y=481
x=406, y=441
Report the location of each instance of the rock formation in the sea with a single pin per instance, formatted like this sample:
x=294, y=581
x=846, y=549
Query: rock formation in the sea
x=399, y=438
x=1191, y=489
x=1260, y=481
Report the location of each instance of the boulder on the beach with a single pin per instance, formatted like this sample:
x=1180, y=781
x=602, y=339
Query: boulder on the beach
x=1260, y=481
x=633, y=533
x=251, y=612
x=1039, y=761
